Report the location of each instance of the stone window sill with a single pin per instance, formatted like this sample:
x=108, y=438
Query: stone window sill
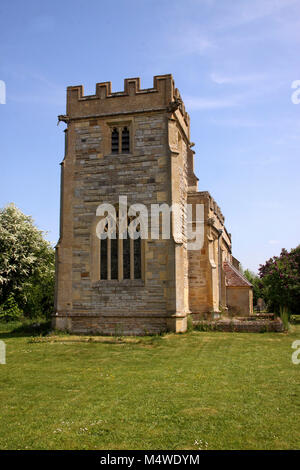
x=120, y=154
x=116, y=283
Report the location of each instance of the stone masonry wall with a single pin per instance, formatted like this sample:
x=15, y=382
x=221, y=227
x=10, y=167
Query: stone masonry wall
x=206, y=285
x=142, y=176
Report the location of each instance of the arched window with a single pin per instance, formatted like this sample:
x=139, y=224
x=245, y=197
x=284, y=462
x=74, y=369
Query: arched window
x=120, y=258
x=115, y=140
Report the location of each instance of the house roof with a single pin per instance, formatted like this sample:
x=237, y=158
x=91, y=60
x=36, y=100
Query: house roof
x=234, y=278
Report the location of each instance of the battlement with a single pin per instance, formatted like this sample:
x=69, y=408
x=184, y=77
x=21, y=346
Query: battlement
x=162, y=96
x=132, y=86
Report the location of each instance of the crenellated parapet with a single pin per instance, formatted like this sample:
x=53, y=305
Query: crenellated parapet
x=162, y=96
x=213, y=206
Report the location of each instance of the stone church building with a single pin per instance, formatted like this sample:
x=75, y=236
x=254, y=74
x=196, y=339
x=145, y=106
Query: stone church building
x=136, y=143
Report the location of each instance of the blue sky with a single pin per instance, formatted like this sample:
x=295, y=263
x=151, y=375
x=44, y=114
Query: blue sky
x=233, y=61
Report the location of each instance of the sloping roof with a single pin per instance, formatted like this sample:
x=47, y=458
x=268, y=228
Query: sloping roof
x=234, y=278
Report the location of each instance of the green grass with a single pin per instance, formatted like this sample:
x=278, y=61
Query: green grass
x=229, y=390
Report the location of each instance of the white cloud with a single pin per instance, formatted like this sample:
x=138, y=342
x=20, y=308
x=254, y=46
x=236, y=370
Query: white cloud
x=190, y=40
x=36, y=88
x=261, y=163
x=237, y=122
x=247, y=11
x=197, y=103
x=235, y=79
x=55, y=99
x=274, y=242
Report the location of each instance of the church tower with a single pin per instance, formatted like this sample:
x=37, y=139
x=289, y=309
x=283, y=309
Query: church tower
x=133, y=143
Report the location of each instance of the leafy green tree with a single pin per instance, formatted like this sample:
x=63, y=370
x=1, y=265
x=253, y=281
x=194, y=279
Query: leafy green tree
x=26, y=265
x=256, y=283
x=280, y=276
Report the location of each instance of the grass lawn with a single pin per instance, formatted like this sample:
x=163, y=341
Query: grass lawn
x=223, y=390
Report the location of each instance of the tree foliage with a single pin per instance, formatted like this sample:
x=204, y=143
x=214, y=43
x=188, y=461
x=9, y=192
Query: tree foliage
x=256, y=283
x=280, y=276
x=26, y=266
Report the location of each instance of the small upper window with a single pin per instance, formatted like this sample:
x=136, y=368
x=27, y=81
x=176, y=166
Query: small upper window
x=120, y=139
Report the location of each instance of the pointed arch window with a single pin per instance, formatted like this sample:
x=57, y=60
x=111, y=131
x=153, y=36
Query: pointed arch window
x=120, y=258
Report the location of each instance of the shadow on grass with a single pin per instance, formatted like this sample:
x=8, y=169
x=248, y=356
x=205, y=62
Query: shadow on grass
x=66, y=338
x=39, y=331
x=24, y=329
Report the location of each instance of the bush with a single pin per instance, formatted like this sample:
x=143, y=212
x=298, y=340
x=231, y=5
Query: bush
x=26, y=267
x=190, y=325
x=256, y=283
x=9, y=310
x=280, y=277
x=205, y=326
